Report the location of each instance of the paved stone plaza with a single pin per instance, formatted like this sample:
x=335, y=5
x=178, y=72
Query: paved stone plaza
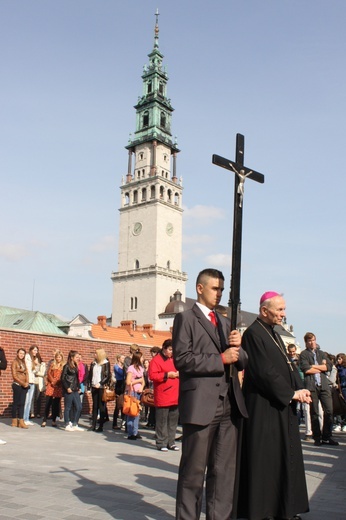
x=52, y=474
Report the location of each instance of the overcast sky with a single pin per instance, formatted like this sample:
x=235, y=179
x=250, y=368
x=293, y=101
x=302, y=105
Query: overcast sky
x=271, y=70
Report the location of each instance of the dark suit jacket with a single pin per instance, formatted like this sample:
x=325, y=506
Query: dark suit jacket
x=306, y=360
x=197, y=352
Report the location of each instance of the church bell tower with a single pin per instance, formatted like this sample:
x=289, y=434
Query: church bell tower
x=150, y=234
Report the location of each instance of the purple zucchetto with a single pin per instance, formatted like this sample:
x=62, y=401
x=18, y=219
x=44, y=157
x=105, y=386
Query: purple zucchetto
x=267, y=295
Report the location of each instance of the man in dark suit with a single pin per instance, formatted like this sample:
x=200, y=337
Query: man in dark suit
x=315, y=363
x=208, y=357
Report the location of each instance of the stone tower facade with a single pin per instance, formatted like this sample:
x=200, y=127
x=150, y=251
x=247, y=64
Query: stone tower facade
x=150, y=232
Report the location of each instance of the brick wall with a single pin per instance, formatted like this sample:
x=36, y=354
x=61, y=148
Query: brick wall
x=11, y=341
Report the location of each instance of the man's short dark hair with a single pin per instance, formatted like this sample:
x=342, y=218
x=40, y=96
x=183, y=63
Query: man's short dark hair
x=167, y=343
x=209, y=273
x=309, y=335
x=155, y=350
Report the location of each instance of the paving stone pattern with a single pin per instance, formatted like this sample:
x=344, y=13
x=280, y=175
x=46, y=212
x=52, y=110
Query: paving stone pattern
x=48, y=473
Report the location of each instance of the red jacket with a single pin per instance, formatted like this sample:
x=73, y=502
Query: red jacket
x=166, y=391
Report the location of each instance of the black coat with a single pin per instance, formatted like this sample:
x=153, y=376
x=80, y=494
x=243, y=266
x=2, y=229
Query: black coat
x=69, y=378
x=105, y=374
x=272, y=470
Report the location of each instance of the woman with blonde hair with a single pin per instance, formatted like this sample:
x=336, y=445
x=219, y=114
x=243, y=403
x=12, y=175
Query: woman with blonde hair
x=54, y=388
x=99, y=377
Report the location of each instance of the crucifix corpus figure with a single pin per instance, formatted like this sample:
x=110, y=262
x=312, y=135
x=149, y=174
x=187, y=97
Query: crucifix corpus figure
x=241, y=174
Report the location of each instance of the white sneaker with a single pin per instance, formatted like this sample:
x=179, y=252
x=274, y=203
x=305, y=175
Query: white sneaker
x=29, y=423
x=69, y=428
x=3, y=442
x=337, y=428
x=78, y=428
x=343, y=429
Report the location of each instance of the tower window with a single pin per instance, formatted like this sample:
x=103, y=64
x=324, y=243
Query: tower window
x=146, y=118
x=152, y=192
x=163, y=119
x=127, y=199
x=161, y=90
x=144, y=194
x=135, y=197
x=136, y=264
x=169, y=193
x=176, y=199
x=162, y=191
x=139, y=174
x=168, y=264
x=150, y=87
x=140, y=156
x=133, y=303
x=143, y=173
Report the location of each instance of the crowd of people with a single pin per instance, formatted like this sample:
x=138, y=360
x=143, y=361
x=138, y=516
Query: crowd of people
x=240, y=401
x=64, y=383
x=325, y=375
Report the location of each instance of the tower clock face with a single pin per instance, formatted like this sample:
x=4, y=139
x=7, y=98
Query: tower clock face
x=137, y=228
x=169, y=229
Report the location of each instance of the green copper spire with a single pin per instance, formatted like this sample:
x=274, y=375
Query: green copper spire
x=154, y=109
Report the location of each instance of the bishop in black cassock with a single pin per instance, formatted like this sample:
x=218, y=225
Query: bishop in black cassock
x=272, y=481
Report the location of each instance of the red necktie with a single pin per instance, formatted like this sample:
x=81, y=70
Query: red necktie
x=213, y=318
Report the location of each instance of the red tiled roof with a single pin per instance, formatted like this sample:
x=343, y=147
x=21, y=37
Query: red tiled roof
x=140, y=336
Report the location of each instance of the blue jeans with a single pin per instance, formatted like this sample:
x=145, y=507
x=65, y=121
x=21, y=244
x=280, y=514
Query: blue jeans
x=28, y=399
x=133, y=422
x=72, y=400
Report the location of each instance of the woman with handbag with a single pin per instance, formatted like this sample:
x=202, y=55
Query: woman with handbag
x=99, y=377
x=54, y=388
x=134, y=388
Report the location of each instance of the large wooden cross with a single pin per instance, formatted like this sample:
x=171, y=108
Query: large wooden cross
x=241, y=173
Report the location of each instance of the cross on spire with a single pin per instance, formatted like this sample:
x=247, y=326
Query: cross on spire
x=242, y=173
x=156, y=37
